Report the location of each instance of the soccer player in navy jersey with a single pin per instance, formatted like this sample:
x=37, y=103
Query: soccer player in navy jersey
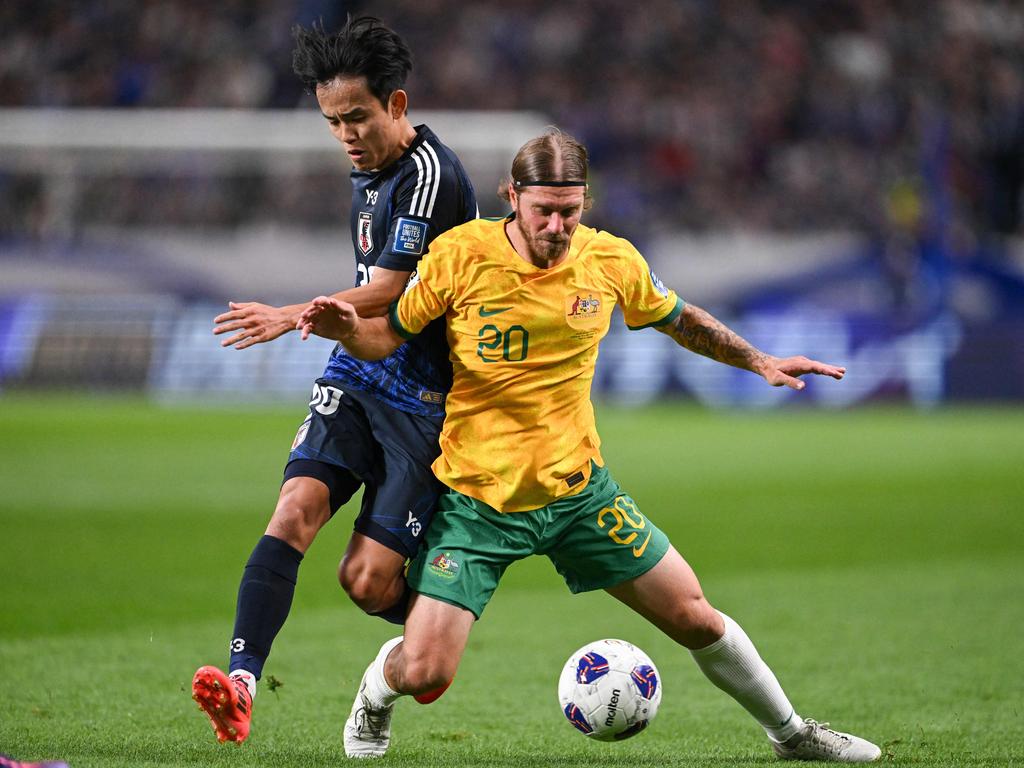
x=371, y=424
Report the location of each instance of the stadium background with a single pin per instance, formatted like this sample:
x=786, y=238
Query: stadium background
x=840, y=179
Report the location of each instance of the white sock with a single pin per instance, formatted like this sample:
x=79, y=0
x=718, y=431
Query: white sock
x=732, y=663
x=377, y=691
x=248, y=678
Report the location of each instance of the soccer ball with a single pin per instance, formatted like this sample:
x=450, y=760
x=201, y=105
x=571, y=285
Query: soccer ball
x=609, y=690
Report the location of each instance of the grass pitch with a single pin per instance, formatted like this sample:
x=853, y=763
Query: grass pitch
x=876, y=558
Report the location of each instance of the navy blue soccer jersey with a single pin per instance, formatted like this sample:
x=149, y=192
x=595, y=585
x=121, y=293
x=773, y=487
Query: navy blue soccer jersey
x=396, y=213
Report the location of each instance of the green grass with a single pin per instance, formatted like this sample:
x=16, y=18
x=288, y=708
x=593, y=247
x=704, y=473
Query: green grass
x=876, y=557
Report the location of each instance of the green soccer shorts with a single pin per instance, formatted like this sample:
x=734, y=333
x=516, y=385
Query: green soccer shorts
x=596, y=539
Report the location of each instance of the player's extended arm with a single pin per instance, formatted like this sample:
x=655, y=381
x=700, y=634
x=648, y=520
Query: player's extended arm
x=255, y=323
x=367, y=338
x=699, y=332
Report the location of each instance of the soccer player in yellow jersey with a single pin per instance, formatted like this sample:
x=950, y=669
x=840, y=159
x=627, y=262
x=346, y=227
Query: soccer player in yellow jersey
x=527, y=300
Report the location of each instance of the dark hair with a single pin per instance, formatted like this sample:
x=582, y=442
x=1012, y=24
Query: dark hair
x=364, y=47
x=552, y=157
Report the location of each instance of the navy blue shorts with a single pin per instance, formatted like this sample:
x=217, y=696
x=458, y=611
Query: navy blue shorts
x=350, y=439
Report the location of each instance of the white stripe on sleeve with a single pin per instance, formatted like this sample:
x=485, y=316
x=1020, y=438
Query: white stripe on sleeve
x=419, y=183
x=437, y=179
x=421, y=156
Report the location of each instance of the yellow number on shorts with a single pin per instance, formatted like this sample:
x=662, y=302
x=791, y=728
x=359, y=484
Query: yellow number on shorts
x=623, y=512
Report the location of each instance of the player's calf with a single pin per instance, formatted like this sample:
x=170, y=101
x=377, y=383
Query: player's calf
x=302, y=509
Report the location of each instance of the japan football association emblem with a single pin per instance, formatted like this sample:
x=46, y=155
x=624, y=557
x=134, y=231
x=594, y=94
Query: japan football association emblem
x=364, y=232
x=300, y=436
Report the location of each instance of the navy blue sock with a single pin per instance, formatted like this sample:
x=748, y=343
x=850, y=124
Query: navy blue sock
x=396, y=613
x=264, y=599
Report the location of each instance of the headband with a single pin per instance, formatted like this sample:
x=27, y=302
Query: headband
x=542, y=183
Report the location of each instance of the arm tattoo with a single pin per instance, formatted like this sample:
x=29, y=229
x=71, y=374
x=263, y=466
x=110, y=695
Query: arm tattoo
x=699, y=332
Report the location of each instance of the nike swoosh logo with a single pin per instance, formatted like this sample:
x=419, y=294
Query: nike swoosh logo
x=489, y=312
x=637, y=552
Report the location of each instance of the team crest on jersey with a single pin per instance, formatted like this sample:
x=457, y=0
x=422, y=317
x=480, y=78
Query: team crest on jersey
x=410, y=236
x=583, y=308
x=364, y=232
x=659, y=286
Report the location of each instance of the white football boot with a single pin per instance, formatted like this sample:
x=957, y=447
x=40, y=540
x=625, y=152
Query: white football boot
x=368, y=728
x=816, y=741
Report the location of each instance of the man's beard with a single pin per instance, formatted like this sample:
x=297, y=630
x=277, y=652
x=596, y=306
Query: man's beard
x=550, y=247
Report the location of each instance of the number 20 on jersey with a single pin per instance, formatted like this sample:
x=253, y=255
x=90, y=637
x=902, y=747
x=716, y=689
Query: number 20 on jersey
x=511, y=346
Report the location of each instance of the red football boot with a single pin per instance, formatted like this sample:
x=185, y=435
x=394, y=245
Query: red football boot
x=10, y=762
x=431, y=696
x=226, y=701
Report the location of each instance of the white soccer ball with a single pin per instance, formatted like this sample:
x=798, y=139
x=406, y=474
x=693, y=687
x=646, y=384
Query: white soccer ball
x=609, y=690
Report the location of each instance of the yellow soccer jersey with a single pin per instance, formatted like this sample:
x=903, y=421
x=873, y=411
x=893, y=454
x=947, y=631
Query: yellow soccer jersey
x=519, y=430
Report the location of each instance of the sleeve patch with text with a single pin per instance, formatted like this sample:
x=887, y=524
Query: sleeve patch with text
x=410, y=236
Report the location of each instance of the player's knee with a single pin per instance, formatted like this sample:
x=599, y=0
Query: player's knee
x=368, y=587
x=426, y=671
x=697, y=624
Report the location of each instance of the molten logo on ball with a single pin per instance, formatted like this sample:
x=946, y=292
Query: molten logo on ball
x=609, y=690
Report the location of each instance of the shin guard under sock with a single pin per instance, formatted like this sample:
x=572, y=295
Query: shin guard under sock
x=264, y=599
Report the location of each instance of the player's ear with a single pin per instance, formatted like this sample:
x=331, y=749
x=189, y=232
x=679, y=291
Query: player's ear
x=398, y=104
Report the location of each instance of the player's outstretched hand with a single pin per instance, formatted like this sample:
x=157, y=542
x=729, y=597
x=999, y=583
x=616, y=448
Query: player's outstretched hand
x=252, y=323
x=329, y=318
x=784, y=371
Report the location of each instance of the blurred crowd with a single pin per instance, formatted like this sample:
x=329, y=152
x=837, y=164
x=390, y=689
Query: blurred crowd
x=871, y=115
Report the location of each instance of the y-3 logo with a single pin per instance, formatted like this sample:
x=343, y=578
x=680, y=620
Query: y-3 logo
x=413, y=524
x=371, y=196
